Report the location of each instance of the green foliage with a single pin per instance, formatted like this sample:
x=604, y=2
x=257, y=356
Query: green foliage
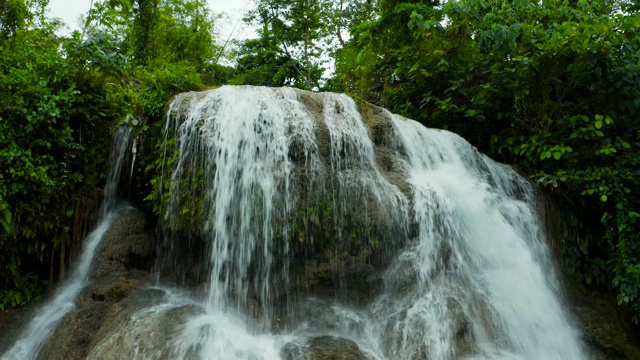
x=162, y=82
x=13, y=14
x=61, y=96
x=51, y=120
x=261, y=65
x=29, y=289
x=315, y=223
x=295, y=41
x=154, y=33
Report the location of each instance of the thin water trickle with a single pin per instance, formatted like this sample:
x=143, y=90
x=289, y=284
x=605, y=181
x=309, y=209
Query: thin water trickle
x=63, y=300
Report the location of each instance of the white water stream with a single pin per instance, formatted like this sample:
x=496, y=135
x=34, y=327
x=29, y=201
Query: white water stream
x=63, y=300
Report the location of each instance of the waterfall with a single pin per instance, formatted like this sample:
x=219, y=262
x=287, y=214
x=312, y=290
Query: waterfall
x=62, y=301
x=311, y=221
x=473, y=280
x=480, y=262
x=237, y=141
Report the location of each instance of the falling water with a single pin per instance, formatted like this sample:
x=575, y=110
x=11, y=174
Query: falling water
x=472, y=282
x=465, y=270
x=237, y=141
x=358, y=185
x=482, y=289
x=62, y=302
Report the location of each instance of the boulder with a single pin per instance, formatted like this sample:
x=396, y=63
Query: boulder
x=141, y=326
x=323, y=348
x=72, y=338
x=128, y=244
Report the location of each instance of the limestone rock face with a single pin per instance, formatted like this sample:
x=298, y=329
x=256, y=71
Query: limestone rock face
x=605, y=327
x=74, y=336
x=139, y=327
x=118, y=276
x=323, y=348
x=128, y=244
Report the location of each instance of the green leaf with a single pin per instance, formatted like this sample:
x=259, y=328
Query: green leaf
x=598, y=124
x=557, y=155
x=6, y=224
x=603, y=198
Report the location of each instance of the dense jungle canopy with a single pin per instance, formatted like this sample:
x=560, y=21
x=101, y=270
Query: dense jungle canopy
x=551, y=87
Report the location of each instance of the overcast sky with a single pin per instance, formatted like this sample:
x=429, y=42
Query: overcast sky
x=69, y=10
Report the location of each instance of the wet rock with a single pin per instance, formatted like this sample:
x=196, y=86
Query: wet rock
x=402, y=275
x=323, y=348
x=332, y=273
x=128, y=244
x=140, y=326
x=463, y=342
x=112, y=289
x=320, y=316
x=73, y=337
x=605, y=326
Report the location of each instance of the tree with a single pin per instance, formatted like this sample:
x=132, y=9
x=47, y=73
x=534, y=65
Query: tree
x=13, y=16
x=157, y=31
x=290, y=31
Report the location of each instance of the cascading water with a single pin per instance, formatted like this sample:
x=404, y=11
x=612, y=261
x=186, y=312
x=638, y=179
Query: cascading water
x=62, y=302
x=239, y=139
x=293, y=193
x=481, y=289
x=471, y=283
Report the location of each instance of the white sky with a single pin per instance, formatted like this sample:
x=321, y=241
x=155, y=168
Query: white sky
x=70, y=10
